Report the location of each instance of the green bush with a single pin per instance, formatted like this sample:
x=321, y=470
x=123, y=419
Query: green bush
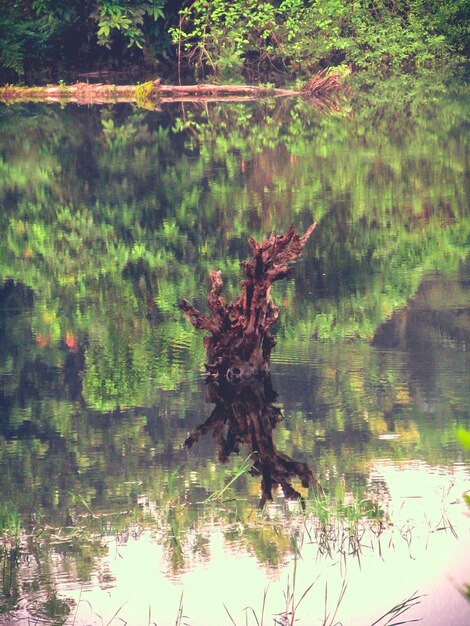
x=230, y=40
x=250, y=38
x=45, y=38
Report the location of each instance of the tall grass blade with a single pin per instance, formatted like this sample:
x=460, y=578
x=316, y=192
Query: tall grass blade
x=306, y=592
x=398, y=610
x=265, y=595
x=244, y=467
x=179, y=615
x=254, y=615
x=228, y=613
x=117, y=613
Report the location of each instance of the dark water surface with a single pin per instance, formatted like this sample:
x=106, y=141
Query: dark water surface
x=109, y=216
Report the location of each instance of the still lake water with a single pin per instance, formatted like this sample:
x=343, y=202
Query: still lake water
x=109, y=216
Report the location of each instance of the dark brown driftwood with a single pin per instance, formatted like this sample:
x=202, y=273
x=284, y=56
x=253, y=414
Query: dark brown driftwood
x=239, y=346
x=238, y=351
x=244, y=414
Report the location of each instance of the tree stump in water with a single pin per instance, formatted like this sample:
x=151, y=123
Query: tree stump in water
x=239, y=346
x=238, y=353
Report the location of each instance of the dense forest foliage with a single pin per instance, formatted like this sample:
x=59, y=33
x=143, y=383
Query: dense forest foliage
x=48, y=40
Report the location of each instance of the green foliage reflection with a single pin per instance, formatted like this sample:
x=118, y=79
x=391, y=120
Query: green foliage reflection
x=111, y=215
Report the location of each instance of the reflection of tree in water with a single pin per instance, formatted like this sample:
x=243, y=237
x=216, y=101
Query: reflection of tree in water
x=244, y=414
x=239, y=351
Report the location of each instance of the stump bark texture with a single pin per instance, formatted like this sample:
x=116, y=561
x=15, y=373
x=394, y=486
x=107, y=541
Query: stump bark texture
x=239, y=344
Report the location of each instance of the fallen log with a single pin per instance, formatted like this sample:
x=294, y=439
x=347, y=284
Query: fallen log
x=154, y=92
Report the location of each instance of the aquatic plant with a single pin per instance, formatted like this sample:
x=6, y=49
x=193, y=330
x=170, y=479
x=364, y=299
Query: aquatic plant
x=10, y=525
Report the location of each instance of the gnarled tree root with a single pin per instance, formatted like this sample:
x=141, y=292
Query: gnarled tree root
x=238, y=350
x=240, y=343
